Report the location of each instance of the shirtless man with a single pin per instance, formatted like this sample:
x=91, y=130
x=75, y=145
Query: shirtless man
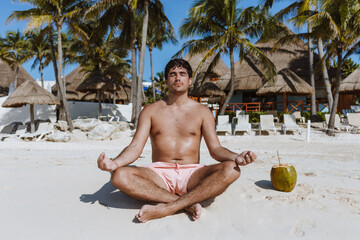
x=175, y=180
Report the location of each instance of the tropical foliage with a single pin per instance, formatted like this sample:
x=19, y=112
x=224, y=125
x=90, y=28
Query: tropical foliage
x=102, y=35
x=14, y=51
x=224, y=28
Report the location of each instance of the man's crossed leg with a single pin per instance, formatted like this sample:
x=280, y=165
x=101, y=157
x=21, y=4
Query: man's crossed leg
x=145, y=185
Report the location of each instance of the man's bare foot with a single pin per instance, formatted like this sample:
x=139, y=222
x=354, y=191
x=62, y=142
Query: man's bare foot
x=194, y=211
x=149, y=212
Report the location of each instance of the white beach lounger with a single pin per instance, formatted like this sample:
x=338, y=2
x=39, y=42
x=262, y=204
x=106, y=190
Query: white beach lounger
x=290, y=124
x=354, y=121
x=298, y=116
x=44, y=128
x=337, y=124
x=223, y=125
x=267, y=123
x=243, y=124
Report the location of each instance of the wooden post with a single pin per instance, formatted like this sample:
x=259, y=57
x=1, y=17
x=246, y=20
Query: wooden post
x=32, y=122
x=285, y=103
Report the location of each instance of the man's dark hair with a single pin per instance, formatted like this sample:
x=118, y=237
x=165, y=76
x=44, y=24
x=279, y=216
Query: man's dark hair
x=177, y=62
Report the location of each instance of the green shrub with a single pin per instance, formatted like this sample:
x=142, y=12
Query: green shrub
x=254, y=117
x=320, y=115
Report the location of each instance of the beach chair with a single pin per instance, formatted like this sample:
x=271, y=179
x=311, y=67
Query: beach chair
x=237, y=113
x=354, y=121
x=243, y=124
x=356, y=108
x=13, y=129
x=274, y=113
x=223, y=125
x=298, y=117
x=346, y=111
x=290, y=124
x=267, y=123
x=113, y=115
x=6, y=131
x=43, y=129
x=337, y=124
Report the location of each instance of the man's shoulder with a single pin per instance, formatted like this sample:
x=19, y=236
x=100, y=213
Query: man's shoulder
x=155, y=105
x=199, y=107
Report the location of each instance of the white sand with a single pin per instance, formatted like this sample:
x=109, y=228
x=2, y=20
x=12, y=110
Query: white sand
x=55, y=191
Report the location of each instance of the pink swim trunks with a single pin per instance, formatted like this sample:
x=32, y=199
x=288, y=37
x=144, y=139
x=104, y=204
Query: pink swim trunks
x=175, y=176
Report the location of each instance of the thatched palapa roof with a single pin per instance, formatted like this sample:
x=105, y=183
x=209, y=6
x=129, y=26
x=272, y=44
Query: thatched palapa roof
x=97, y=81
x=7, y=75
x=208, y=89
x=77, y=76
x=287, y=82
x=219, y=69
x=248, y=73
x=30, y=93
x=351, y=84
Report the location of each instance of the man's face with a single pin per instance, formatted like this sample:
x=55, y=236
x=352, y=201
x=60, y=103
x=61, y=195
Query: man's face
x=178, y=80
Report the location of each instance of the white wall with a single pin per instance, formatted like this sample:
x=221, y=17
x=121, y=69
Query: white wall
x=22, y=114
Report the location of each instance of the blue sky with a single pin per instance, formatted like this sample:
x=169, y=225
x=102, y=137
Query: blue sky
x=175, y=10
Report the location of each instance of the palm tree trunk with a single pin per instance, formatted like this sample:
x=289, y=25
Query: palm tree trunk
x=133, y=89
x=331, y=124
x=232, y=82
x=312, y=77
x=99, y=100
x=63, y=78
x=61, y=85
x=142, y=60
x=325, y=74
x=16, y=76
x=59, y=114
x=152, y=73
x=41, y=74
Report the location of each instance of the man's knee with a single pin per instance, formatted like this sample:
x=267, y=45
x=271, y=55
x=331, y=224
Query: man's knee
x=120, y=178
x=231, y=171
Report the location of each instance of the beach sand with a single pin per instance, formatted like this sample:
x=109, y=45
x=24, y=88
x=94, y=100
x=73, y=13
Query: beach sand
x=55, y=191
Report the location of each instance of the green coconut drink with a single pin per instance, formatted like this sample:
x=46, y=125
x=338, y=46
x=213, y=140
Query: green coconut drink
x=283, y=177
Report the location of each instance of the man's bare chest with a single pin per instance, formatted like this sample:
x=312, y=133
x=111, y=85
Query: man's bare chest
x=176, y=123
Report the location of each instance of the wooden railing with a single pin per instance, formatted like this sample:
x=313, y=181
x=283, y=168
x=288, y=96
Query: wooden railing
x=292, y=106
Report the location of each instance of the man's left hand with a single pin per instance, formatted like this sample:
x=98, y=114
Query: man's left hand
x=245, y=158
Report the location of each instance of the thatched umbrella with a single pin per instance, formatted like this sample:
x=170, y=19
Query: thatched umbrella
x=7, y=76
x=98, y=82
x=30, y=93
x=351, y=84
x=286, y=83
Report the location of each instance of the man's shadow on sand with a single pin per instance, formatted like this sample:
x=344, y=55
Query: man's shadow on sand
x=111, y=197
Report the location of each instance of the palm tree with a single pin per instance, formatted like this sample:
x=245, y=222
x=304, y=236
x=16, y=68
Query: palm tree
x=339, y=23
x=161, y=85
x=225, y=28
x=40, y=47
x=58, y=13
x=97, y=52
x=160, y=31
x=14, y=51
x=303, y=10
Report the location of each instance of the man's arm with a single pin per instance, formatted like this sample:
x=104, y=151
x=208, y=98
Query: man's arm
x=217, y=151
x=132, y=152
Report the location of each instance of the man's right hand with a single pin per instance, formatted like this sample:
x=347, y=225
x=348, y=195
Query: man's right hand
x=106, y=164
